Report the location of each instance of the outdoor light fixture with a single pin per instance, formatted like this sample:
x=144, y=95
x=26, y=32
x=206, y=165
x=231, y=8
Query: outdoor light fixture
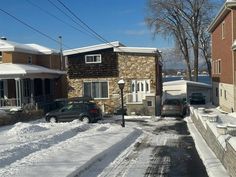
x=121, y=84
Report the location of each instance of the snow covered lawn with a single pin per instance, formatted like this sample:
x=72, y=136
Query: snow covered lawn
x=58, y=149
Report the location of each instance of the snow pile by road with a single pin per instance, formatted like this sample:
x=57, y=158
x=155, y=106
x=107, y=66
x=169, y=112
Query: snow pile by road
x=58, y=149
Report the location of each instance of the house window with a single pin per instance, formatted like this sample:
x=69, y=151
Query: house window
x=97, y=89
x=223, y=30
x=225, y=94
x=219, y=66
x=1, y=89
x=215, y=67
x=149, y=103
x=30, y=60
x=96, y=58
x=0, y=57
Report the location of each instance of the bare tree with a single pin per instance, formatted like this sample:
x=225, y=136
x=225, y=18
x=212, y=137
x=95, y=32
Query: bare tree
x=164, y=18
x=205, y=49
x=184, y=20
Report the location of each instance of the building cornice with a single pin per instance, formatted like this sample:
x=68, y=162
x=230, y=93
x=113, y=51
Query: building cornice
x=225, y=9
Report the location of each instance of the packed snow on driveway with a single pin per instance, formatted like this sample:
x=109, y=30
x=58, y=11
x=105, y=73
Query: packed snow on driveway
x=58, y=149
x=145, y=147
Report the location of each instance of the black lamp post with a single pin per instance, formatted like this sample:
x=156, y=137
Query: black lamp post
x=121, y=84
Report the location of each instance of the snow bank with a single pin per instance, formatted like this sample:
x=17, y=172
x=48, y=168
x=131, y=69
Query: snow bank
x=59, y=149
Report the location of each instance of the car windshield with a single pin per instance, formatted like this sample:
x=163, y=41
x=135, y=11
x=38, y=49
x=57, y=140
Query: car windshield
x=197, y=95
x=92, y=106
x=172, y=102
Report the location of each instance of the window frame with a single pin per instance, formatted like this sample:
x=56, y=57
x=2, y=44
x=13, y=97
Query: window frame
x=99, y=91
x=223, y=30
x=93, y=55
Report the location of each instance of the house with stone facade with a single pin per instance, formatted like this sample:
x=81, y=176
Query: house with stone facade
x=30, y=73
x=223, y=32
x=95, y=71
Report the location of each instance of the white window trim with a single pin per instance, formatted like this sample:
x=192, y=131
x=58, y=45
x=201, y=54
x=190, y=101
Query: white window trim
x=223, y=30
x=93, y=56
x=91, y=81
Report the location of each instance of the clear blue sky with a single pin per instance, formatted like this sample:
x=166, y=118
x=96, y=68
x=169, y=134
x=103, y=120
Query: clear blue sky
x=115, y=20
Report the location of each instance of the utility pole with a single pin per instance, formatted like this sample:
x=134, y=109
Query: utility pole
x=61, y=54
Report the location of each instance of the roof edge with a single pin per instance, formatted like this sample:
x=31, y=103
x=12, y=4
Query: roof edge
x=92, y=48
x=225, y=9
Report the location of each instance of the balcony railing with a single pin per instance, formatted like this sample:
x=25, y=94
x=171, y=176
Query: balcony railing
x=16, y=102
x=8, y=102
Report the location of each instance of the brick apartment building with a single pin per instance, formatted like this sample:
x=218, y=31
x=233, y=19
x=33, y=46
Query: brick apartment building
x=223, y=32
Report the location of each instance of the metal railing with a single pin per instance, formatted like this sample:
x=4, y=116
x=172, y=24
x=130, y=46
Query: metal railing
x=26, y=100
x=8, y=102
x=137, y=97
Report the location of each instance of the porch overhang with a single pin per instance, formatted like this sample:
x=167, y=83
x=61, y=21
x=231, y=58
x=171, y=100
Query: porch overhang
x=21, y=71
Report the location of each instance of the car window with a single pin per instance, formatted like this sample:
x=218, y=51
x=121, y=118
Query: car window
x=172, y=102
x=197, y=94
x=92, y=106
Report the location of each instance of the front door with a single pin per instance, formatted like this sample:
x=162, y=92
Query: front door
x=139, y=89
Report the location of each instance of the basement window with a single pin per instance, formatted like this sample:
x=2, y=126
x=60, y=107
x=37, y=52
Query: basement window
x=95, y=58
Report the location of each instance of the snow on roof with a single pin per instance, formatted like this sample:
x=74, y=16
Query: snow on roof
x=7, y=69
x=136, y=49
x=186, y=82
x=117, y=47
x=9, y=46
x=92, y=48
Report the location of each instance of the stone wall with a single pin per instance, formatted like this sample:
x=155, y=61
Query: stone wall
x=227, y=155
x=230, y=159
x=130, y=67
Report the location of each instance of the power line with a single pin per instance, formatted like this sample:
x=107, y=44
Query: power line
x=98, y=36
x=58, y=8
x=54, y=16
x=31, y=27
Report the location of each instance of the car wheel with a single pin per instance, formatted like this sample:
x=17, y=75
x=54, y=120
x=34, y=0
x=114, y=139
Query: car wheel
x=85, y=119
x=53, y=119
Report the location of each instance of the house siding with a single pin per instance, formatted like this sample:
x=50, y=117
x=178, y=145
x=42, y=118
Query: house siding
x=221, y=49
x=130, y=67
x=52, y=61
x=77, y=68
